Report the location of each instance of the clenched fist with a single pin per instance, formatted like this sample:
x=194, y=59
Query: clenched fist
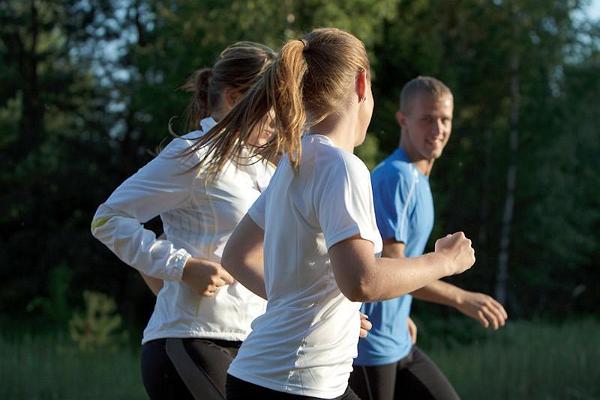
x=458, y=249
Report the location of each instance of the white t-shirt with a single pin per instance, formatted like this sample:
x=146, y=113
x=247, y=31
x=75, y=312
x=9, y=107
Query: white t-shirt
x=198, y=217
x=305, y=342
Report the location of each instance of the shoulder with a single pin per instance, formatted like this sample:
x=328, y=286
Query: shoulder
x=392, y=171
x=178, y=149
x=331, y=160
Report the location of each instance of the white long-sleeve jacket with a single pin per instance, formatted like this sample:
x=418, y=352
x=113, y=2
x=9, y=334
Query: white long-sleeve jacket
x=198, y=218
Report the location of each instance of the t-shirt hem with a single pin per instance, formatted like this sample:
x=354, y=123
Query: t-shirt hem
x=375, y=361
x=278, y=386
x=230, y=336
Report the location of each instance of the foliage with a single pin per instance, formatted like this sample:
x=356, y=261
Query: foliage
x=98, y=327
x=87, y=88
x=54, y=306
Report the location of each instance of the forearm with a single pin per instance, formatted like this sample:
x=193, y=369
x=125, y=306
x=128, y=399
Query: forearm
x=362, y=277
x=393, y=277
x=440, y=292
x=136, y=246
x=154, y=284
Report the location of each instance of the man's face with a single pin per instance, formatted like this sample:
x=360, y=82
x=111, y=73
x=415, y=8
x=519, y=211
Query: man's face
x=426, y=126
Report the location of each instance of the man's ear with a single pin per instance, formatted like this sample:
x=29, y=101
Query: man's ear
x=401, y=118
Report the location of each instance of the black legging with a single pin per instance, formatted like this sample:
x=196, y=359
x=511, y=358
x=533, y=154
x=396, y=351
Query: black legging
x=238, y=389
x=211, y=357
x=414, y=377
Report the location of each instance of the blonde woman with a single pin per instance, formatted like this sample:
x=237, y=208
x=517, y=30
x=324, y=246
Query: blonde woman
x=314, y=226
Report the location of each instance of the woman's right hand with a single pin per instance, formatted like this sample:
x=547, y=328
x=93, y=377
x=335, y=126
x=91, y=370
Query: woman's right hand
x=205, y=277
x=458, y=250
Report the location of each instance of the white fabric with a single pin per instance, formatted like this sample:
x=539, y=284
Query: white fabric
x=198, y=218
x=305, y=342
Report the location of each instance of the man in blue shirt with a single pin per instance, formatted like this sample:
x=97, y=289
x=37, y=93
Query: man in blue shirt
x=389, y=365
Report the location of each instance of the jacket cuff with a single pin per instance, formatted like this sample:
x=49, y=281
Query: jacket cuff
x=175, y=264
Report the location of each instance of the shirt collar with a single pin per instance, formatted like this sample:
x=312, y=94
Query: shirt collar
x=206, y=124
x=401, y=155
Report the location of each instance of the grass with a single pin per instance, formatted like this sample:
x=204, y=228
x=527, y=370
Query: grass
x=525, y=360
x=48, y=367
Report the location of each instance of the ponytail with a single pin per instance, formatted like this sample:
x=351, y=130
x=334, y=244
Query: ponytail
x=279, y=89
x=290, y=114
x=198, y=107
x=308, y=81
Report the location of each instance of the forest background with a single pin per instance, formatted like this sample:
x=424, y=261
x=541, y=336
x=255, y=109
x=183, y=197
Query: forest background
x=87, y=88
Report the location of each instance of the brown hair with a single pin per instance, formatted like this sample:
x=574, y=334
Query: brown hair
x=421, y=85
x=307, y=82
x=238, y=67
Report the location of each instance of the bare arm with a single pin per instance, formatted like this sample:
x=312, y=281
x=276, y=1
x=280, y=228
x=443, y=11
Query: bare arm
x=478, y=306
x=362, y=277
x=243, y=256
x=436, y=292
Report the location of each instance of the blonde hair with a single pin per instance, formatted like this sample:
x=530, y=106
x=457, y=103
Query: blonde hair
x=421, y=85
x=307, y=82
x=238, y=67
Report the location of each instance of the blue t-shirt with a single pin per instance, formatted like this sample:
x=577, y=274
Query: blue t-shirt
x=404, y=212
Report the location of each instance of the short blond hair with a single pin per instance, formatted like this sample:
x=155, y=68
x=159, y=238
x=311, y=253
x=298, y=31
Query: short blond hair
x=421, y=85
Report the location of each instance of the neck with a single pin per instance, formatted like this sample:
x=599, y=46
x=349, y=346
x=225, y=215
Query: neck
x=216, y=116
x=340, y=128
x=422, y=164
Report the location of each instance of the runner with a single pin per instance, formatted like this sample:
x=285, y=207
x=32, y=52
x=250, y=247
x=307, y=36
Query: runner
x=196, y=328
x=316, y=221
x=389, y=364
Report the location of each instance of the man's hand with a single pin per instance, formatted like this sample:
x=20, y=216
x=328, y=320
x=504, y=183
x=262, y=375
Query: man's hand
x=412, y=330
x=482, y=308
x=365, y=325
x=205, y=277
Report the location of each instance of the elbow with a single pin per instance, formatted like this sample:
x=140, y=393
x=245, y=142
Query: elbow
x=360, y=295
x=228, y=259
x=360, y=290
x=100, y=219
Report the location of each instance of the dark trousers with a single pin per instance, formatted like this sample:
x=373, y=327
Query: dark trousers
x=414, y=377
x=210, y=357
x=238, y=389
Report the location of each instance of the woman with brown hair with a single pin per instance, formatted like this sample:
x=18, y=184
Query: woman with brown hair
x=196, y=328
x=314, y=226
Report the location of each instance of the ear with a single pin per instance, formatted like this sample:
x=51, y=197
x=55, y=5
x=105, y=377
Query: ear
x=401, y=118
x=231, y=97
x=362, y=83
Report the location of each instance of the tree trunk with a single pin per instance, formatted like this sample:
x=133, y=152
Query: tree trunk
x=484, y=210
x=31, y=124
x=511, y=180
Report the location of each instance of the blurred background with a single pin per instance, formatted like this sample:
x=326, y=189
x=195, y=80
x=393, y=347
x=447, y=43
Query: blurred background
x=87, y=88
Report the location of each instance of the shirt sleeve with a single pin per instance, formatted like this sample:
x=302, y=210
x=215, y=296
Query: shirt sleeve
x=165, y=183
x=344, y=203
x=393, y=207
x=257, y=210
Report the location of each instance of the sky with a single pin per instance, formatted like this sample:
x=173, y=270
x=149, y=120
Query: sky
x=594, y=9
